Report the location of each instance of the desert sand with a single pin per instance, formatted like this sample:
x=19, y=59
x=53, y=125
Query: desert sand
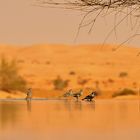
x=84, y=66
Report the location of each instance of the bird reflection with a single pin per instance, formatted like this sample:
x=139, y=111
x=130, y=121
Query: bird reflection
x=91, y=105
x=73, y=105
x=29, y=105
x=139, y=106
x=67, y=104
x=77, y=105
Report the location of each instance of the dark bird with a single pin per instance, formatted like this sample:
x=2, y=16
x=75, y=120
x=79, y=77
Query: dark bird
x=78, y=94
x=68, y=93
x=29, y=94
x=90, y=96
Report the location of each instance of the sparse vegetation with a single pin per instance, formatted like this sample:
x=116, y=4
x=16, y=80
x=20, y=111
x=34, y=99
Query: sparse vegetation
x=92, y=63
x=97, y=84
x=35, y=62
x=10, y=80
x=48, y=62
x=123, y=74
x=123, y=92
x=110, y=80
x=108, y=63
x=72, y=73
x=105, y=83
x=134, y=84
x=20, y=61
x=82, y=82
x=60, y=84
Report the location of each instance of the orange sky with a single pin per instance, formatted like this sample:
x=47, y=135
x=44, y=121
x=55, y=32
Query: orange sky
x=23, y=23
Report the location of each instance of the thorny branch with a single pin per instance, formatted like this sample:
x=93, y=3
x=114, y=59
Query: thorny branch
x=102, y=8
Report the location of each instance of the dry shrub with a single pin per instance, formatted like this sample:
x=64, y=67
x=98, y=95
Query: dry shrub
x=20, y=61
x=59, y=83
x=10, y=80
x=48, y=62
x=111, y=80
x=125, y=91
x=123, y=74
x=83, y=82
x=72, y=73
x=134, y=84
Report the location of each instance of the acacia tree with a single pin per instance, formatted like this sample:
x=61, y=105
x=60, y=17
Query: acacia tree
x=96, y=8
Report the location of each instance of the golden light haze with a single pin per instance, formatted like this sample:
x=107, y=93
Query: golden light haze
x=84, y=66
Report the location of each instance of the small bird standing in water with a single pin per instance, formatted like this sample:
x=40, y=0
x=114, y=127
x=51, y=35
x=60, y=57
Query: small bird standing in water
x=78, y=94
x=90, y=96
x=29, y=94
x=68, y=93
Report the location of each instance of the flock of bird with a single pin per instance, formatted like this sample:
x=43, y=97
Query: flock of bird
x=89, y=97
x=69, y=93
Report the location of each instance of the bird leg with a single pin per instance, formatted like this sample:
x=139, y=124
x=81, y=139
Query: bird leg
x=77, y=98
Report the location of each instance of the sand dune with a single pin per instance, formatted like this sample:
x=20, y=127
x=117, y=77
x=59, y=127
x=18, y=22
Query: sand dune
x=99, y=66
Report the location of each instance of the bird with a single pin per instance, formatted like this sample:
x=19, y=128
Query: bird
x=29, y=94
x=90, y=96
x=68, y=93
x=78, y=94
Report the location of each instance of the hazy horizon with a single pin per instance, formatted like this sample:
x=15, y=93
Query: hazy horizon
x=23, y=23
